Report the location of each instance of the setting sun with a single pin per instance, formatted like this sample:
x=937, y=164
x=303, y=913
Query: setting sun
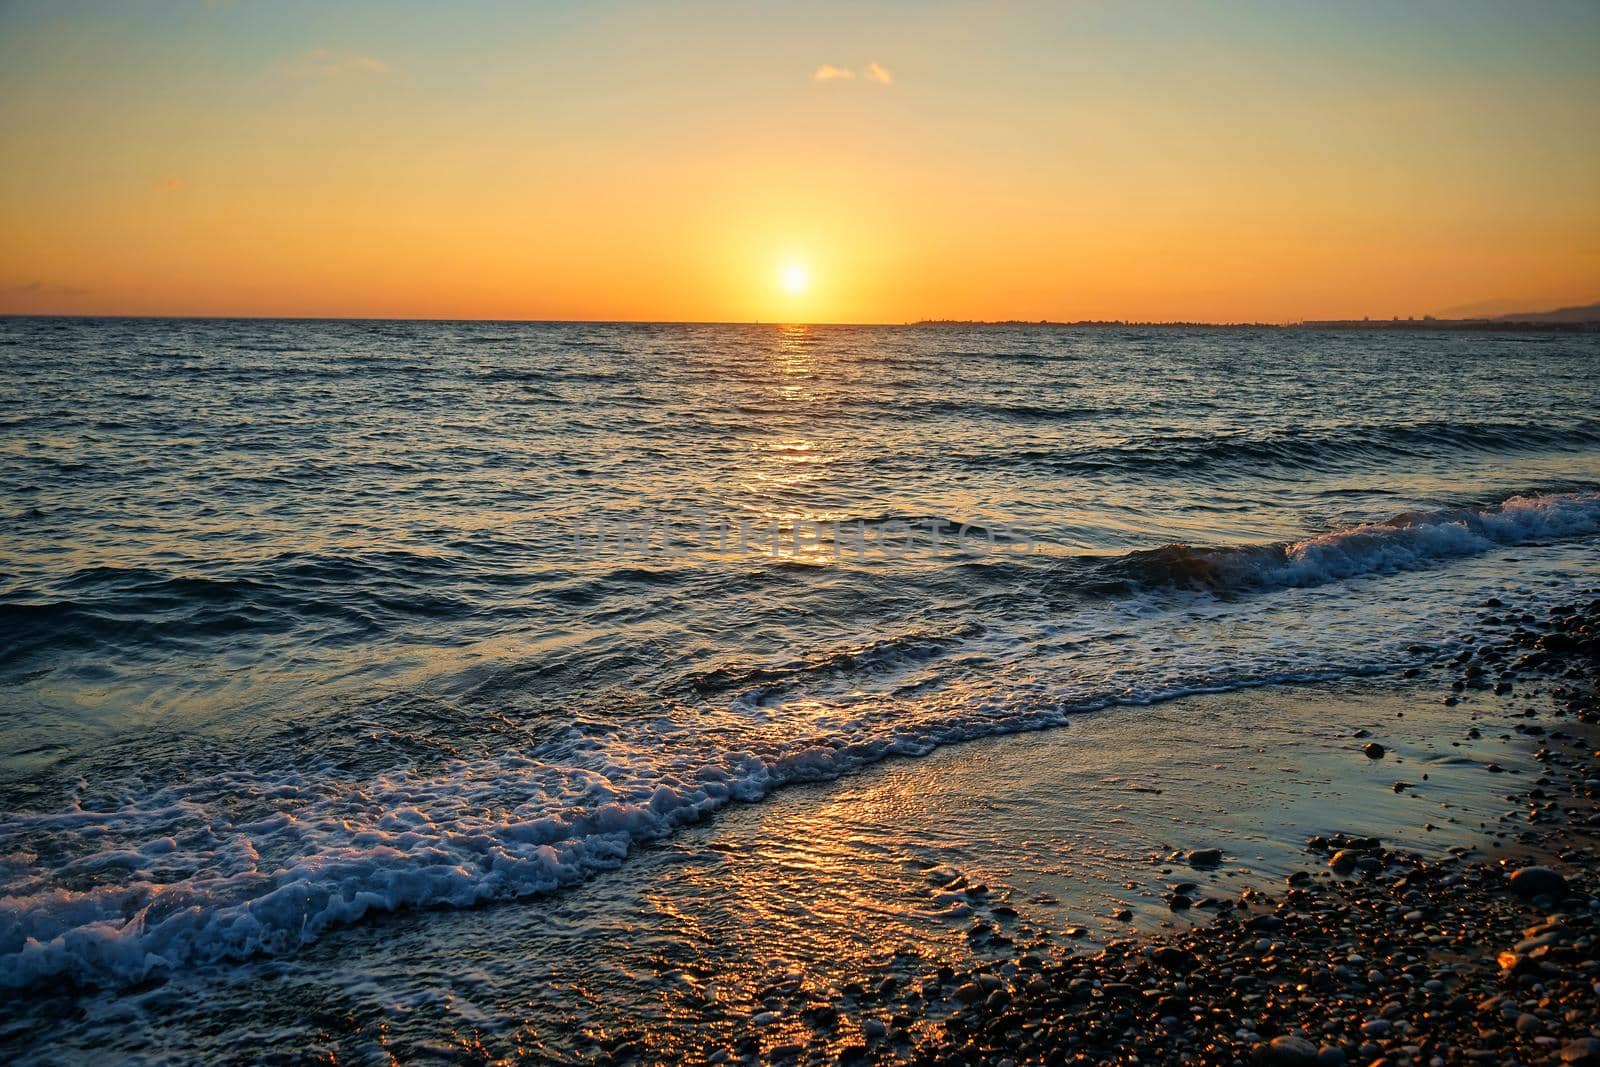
x=795, y=278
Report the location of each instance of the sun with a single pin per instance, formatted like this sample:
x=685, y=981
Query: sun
x=794, y=278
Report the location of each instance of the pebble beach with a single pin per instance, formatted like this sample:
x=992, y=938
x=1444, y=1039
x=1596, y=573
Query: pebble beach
x=1369, y=955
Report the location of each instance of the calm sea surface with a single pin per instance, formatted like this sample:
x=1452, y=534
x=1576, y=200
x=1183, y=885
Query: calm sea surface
x=303, y=623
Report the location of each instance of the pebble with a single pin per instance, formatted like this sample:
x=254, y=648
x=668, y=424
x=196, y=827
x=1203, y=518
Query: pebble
x=1537, y=881
x=1291, y=1051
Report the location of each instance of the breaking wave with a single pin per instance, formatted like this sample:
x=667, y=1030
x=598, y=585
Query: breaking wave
x=1404, y=542
x=243, y=863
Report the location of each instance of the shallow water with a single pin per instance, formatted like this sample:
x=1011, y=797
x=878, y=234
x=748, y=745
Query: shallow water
x=779, y=907
x=303, y=624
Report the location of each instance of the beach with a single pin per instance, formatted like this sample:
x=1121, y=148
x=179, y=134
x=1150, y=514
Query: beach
x=1479, y=954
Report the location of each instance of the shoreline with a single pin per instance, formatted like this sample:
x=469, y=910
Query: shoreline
x=856, y=920
x=1371, y=955
x=1366, y=952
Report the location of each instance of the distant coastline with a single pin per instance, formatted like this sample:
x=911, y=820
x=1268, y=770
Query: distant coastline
x=1428, y=324
x=1582, y=319
x=1464, y=325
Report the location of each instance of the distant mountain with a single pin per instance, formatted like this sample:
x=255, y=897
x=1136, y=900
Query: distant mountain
x=1586, y=313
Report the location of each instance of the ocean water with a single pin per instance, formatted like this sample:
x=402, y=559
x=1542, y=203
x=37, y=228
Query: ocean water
x=311, y=627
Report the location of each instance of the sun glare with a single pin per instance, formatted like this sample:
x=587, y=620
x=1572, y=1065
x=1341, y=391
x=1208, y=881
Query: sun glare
x=795, y=279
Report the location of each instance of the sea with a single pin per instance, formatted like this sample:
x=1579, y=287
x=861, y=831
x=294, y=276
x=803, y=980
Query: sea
x=384, y=687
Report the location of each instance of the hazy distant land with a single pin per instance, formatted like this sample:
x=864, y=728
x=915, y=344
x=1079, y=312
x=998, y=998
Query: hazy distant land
x=1581, y=319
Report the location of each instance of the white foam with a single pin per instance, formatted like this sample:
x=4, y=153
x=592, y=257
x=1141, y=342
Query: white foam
x=239, y=864
x=1412, y=541
x=182, y=881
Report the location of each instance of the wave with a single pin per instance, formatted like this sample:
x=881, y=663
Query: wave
x=1403, y=542
x=872, y=658
x=238, y=864
x=1014, y=412
x=358, y=596
x=1299, y=451
x=349, y=596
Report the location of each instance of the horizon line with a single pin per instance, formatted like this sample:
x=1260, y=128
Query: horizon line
x=1368, y=322
x=648, y=322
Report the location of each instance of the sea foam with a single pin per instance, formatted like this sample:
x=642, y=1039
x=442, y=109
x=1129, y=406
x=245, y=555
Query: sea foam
x=1404, y=542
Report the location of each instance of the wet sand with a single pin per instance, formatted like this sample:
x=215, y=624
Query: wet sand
x=1373, y=953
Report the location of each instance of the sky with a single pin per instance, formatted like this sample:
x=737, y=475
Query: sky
x=861, y=161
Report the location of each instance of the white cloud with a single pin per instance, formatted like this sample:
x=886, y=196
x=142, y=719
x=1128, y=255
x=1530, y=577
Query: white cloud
x=872, y=72
x=327, y=63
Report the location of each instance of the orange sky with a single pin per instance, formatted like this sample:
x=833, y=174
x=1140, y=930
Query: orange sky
x=639, y=161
